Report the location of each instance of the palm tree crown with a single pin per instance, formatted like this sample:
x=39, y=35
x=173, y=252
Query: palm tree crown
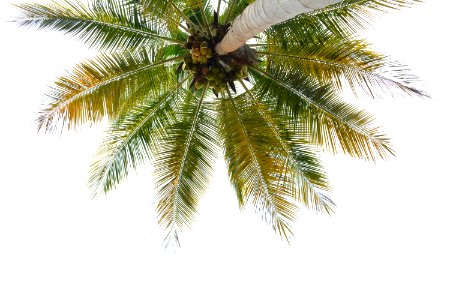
x=172, y=99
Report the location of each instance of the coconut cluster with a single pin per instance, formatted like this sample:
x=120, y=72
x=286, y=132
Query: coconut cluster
x=216, y=72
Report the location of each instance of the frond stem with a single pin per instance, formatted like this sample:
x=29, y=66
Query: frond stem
x=253, y=155
x=189, y=140
x=205, y=19
x=183, y=162
x=283, y=143
x=335, y=64
x=185, y=17
x=334, y=7
x=230, y=8
x=218, y=7
x=138, y=126
x=266, y=118
x=115, y=26
x=322, y=108
x=106, y=82
x=257, y=45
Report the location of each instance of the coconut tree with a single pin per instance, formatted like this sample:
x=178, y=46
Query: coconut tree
x=182, y=81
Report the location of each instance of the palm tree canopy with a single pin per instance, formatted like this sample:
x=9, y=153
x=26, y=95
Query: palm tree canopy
x=270, y=106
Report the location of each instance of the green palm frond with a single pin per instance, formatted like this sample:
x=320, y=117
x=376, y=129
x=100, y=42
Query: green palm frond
x=134, y=137
x=184, y=163
x=311, y=182
x=189, y=11
x=107, y=25
x=342, y=19
x=338, y=60
x=257, y=164
x=329, y=122
x=104, y=86
x=156, y=11
x=234, y=9
x=161, y=7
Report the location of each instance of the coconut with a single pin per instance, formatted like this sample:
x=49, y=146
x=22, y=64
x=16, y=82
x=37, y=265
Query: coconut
x=204, y=51
x=196, y=52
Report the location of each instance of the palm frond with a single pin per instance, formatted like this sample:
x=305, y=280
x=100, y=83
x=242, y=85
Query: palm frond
x=342, y=19
x=257, y=166
x=338, y=60
x=327, y=121
x=102, y=86
x=108, y=25
x=133, y=138
x=311, y=182
x=234, y=9
x=181, y=10
x=184, y=163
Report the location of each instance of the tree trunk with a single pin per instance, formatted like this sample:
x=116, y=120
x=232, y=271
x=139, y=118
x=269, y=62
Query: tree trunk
x=262, y=14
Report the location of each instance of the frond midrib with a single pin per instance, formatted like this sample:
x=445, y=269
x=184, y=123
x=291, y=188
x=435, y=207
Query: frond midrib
x=181, y=14
x=104, y=83
x=336, y=6
x=135, y=130
x=106, y=24
x=229, y=9
x=353, y=126
x=186, y=149
x=339, y=65
x=255, y=160
x=286, y=149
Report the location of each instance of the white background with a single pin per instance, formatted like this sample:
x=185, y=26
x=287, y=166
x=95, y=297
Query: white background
x=387, y=240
